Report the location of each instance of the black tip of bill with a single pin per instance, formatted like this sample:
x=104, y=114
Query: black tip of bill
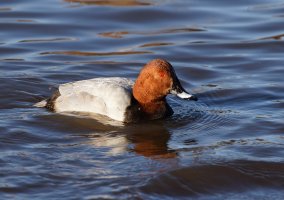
x=194, y=98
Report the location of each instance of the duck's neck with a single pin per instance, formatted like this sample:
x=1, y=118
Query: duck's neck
x=152, y=104
x=153, y=110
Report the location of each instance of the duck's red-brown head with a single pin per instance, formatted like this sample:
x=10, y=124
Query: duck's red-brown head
x=156, y=80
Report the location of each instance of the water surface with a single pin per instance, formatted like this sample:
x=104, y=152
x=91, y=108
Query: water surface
x=228, y=145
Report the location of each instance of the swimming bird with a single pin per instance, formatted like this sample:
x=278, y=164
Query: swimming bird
x=119, y=98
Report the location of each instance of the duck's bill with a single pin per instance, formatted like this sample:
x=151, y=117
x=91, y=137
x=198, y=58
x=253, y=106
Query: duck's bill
x=185, y=95
x=181, y=93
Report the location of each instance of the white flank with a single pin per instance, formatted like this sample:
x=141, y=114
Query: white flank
x=106, y=96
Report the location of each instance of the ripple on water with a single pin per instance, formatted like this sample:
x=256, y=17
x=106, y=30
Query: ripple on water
x=80, y=53
x=121, y=34
x=201, y=115
x=3, y=9
x=42, y=40
x=112, y=2
x=215, y=181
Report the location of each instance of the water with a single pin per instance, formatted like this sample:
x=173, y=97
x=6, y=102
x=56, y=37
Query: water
x=228, y=145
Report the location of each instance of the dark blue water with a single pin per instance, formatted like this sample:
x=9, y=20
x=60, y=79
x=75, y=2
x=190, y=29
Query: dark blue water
x=227, y=145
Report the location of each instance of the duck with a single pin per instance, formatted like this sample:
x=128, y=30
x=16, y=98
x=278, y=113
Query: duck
x=119, y=98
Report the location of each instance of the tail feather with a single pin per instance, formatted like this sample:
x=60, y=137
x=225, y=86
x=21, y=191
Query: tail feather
x=41, y=104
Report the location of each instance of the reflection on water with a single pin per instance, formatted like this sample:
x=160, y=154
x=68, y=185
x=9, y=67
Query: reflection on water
x=156, y=44
x=111, y=2
x=79, y=53
x=151, y=141
x=275, y=37
x=49, y=40
x=121, y=34
x=228, y=145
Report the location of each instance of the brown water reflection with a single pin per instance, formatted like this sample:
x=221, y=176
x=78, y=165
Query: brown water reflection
x=4, y=9
x=111, y=2
x=275, y=37
x=149, y=140
x=42, y=40
x=156, y=44
x=121, y=34
x=80, y=53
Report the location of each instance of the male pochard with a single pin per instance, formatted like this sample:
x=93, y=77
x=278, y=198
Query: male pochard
x=120, y=98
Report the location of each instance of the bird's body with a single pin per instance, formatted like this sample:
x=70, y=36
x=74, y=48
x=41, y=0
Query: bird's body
x=120, y=98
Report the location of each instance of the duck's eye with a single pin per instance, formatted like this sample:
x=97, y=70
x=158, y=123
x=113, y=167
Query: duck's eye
x=162, y=74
